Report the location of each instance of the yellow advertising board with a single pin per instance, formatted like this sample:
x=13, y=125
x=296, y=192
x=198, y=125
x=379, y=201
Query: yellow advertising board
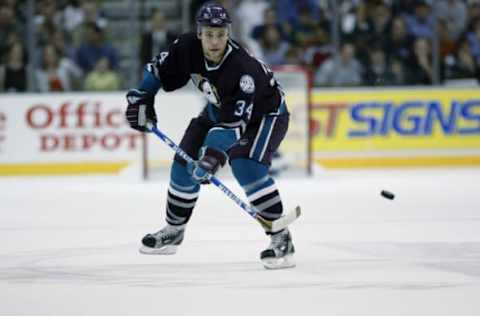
x=396, y=120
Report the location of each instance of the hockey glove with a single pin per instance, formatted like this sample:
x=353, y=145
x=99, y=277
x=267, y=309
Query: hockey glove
x=208, y=165
x=140, y=109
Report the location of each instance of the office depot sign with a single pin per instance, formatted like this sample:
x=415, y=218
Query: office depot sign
x=84, y=126
x=65, y=128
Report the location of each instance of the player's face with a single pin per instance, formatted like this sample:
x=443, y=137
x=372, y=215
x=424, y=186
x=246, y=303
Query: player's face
x=214, y=41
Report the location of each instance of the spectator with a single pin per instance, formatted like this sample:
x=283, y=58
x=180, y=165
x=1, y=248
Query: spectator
x=378, y=72
x=72, y=15
x=61, y=44
x=381, y=23
x=94, y=48
x=156, y=39
x=250, y=13
x=10, y=29
x=320, y=50
x=92, y=14
x=398, y=44
x=102, y=78
x=403, y=7
x=473, y=14
x=269, y=19
x=446, y=43
x=462, y=65
x=13, y=74
x=47, y=21
x=360, y=31
x=294, y=55
x=356, y=24
x=474, y=41
x=303, y=34
x=399, y=73
x=56, y=73
x=272, y=49
x=420, y=24
x=288, y=12
x=421, y=72
x=89, y=14
x=454, y=12
x=343, y=70
x=311, y=35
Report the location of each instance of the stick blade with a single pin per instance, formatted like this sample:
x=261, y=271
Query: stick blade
x=280, y=223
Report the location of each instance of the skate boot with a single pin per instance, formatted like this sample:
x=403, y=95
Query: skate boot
x=279, y=254
x=163, y=242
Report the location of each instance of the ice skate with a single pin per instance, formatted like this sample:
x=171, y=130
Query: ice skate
x=279, y=254
x=163, y=242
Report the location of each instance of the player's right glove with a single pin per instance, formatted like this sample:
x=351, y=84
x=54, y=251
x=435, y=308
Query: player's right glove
x=209, y=163
x=140, y=109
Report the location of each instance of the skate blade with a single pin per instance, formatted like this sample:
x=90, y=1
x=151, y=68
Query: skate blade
x=167, y=250
x=279, y=263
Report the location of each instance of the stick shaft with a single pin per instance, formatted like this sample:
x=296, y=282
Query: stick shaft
x=247, y=208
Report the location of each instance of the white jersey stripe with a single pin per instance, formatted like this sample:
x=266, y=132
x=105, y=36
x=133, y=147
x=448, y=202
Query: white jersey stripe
x=259, y=132
x=268, y=139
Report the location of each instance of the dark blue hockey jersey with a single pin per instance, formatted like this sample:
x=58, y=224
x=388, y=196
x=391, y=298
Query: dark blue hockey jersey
x=241, y=87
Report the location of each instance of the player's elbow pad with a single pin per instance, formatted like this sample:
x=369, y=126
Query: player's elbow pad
x=150, y=82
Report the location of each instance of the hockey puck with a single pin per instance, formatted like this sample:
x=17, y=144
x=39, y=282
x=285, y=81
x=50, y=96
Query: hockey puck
x=387, y=195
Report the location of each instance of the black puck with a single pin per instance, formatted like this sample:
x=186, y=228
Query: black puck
x=387, y=195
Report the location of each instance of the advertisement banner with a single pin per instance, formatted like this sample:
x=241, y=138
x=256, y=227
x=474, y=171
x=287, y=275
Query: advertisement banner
x=65, y=133
x=393, y=122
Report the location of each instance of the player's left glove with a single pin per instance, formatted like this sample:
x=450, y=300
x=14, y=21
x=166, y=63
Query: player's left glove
x=211, y=160
x=140, y=109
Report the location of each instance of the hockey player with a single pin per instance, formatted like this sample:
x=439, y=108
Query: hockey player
x=243, y=123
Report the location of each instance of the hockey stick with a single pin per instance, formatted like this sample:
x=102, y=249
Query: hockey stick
x=270, y=226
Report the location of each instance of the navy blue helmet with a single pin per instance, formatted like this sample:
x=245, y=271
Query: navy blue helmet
x=213, y=15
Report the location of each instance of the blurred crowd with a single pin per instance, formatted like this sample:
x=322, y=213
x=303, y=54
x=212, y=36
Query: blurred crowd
x=72, y=52
x=376, y=42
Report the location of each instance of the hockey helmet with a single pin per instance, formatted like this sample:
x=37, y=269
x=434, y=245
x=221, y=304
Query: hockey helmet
x=213, y=15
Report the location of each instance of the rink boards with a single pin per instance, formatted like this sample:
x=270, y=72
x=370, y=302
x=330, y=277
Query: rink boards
x=86, y=132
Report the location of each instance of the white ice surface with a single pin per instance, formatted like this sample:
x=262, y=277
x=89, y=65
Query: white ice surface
x=69, y=246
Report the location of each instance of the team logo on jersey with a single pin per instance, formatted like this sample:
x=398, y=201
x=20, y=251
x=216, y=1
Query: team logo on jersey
x=162, y=57
x=247, y=84
x=210, y=92
x=208, y=89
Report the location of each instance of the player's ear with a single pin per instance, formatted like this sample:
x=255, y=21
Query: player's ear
x=199, y=32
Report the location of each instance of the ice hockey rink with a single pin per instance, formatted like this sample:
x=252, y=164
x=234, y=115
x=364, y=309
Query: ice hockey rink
x=69, y=246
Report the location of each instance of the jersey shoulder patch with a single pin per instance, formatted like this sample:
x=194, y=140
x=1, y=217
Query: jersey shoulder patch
x=247, y=84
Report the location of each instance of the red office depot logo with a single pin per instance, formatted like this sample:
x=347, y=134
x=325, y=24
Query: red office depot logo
x=82, y=126
x=68, y=115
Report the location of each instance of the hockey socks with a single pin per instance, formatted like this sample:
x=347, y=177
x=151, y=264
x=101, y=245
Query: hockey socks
x=182, y=195
x=259, y=187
